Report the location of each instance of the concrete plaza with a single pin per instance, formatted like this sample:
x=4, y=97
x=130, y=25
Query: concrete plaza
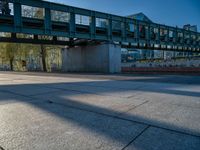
x=41, y=111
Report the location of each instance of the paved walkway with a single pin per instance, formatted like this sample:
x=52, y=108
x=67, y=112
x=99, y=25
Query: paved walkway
x=40, y=111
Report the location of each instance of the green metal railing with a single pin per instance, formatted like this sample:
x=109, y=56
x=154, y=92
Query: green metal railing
x=57, y=20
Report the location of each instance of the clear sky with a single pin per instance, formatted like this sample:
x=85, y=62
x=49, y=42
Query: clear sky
x=169, y=12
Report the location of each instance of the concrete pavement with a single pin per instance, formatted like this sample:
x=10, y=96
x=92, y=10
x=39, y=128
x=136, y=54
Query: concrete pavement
x=40, y=111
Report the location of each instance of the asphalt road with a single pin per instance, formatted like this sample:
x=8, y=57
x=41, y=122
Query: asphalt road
x=41, y=111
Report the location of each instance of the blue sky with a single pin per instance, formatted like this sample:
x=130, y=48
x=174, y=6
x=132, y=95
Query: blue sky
x=169, y=12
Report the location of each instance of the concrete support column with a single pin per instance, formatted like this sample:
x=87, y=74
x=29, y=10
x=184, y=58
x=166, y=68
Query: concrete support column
x=104, y=58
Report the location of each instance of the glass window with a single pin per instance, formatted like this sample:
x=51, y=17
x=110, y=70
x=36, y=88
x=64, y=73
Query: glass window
x=101, y=23
x=171, y=34
x=199, y=38
x=82, y=20
x=32, y=12
x=116, y=25
x=187, y=36
x=131, y=27
x=193, y=37
x=180, y=34
x=6, y=8
x=142, y=30
x=155, y=30
x=60, y=16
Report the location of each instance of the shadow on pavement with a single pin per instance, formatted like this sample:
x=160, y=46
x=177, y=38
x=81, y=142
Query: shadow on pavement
x=51, y=106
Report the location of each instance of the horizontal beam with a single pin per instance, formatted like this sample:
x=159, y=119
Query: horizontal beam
x=33, y=41
x=81, y=42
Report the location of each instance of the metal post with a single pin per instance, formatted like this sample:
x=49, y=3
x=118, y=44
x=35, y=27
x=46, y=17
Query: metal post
x=167, y=35
x=123, y=29
x=137, y=30
x=109, y=28
x=72, y=23
x=47, y=21
x=148, y=35
x=93, y=25
x=17, y=17
x=158, y=37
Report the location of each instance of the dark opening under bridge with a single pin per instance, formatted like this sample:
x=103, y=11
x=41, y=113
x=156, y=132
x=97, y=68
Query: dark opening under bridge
x=66, y=25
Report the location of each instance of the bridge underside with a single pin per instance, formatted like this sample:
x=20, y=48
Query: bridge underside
x=72, y=42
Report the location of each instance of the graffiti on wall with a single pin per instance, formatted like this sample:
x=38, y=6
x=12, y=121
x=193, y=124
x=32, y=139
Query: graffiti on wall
x=27, y=57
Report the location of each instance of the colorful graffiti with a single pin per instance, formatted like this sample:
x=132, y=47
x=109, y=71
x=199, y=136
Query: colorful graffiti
x=27, y=57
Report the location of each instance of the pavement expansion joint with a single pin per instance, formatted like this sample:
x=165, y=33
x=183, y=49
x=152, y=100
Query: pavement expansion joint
x=122, y=118
x=134, y=107
x=146, y=128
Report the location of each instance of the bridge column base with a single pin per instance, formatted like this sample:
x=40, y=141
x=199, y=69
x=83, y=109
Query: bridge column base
x=104, y=58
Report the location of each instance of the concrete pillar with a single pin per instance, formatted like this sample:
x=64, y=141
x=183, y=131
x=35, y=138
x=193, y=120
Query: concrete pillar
x=104, y=58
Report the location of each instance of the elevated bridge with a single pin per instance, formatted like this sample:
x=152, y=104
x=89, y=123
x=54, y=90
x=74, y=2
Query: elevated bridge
x=64, y=25
x=42, y=22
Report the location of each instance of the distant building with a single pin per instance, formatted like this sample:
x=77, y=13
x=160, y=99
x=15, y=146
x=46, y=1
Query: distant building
x=141, y=54
x=190, y=28
x=130, y=55
x=140, y=16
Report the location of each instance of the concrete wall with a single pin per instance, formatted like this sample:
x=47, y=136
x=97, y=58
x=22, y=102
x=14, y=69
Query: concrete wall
x=114, y=58
x=96, y=58
x=104, y=58
x=173, y=63
x=72, y=59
